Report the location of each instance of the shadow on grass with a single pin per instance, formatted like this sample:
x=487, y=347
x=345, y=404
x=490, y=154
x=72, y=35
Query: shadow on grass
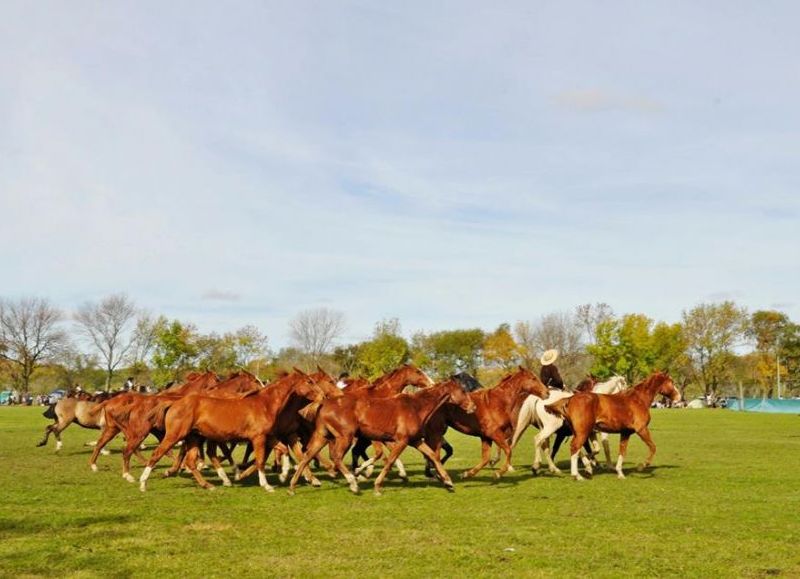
x=46, y=525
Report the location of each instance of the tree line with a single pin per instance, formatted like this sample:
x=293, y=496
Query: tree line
x=713, y=349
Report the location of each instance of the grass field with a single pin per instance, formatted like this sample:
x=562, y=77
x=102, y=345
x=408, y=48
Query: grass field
x=721, y=500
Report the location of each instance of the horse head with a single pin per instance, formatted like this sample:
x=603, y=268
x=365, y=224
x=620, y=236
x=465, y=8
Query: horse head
x=528, y=382
x=459, y=397
x=666, y=387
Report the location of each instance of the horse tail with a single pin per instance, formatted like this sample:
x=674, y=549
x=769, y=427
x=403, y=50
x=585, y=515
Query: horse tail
x=98, y=407
x=157, y=415
x=310, y=411
x=559, y=407
x=50, y=412
x=525, y=419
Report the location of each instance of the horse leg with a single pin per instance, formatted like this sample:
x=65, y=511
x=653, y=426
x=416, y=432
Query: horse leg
x=132, y=442
x=395, y=452
x=495, y=459
x=430, y=455
x=502, y=444
x=170, y=439
x=194, y=445
x=644, y=434
x=260, y=454
x=47, y=430
x=560, y=436
x=177, y=462
x=401, y=468
x=486, y=450
x=308, y=475
x=606, y=449
x=435, y=442
x=448, y=450
x=211, y=451
x=623, y=447
x=317, y=443
x=578, y=438
x=109, y=432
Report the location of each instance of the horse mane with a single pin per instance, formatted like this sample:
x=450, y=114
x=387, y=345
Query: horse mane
x=586, y=384
x=468, y=382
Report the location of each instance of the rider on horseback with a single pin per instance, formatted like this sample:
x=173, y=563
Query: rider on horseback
x=549, y=374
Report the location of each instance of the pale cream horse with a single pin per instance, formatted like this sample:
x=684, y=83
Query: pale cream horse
x=533, y=413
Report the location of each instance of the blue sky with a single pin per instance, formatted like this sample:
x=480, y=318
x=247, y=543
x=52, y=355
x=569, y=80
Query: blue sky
x=451, y=164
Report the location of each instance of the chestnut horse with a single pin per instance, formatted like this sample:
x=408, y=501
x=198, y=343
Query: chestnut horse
x=399, y=420
x=624, y=413
x=494, y=418
x=129, y=413
x=250, y=419
x=390, y=384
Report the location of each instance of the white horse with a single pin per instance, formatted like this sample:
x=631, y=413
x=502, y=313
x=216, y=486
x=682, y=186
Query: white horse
x=533, y=412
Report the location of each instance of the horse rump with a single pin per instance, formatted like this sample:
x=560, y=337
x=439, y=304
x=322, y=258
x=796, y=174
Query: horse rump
x=558, y=408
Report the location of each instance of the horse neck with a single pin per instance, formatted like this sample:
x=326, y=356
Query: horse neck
x=508, y=389
x=648, y=390
x=279, y=391
x=394, y=382
x=428, y=401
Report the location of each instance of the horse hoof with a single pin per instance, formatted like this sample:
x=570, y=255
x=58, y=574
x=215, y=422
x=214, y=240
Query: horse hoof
x=283, y=478
x=143, y=487
x=620, y=476
x=128, y=478
x=465, y=474
x=578, y=478
x=105, y=452
x=640, y=467
x=361, y=478
x=333, y=473
x=378, y=493
x=93, y=467
x=315, y=482
x=226, y=483
x=290, y=492
x=269, y=489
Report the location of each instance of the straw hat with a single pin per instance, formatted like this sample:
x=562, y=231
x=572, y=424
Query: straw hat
x=549, y=357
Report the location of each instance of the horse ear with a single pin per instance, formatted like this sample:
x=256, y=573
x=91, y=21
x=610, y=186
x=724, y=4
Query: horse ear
x=298, y=370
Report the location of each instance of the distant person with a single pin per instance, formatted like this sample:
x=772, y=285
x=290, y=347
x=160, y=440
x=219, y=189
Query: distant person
x=342, y=382
x=549, y=374
x=129, y=385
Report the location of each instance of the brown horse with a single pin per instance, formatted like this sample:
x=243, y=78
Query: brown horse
x=625, y=412
x=252, y=418
x=130, y=413
x=390, y=384
x=399, y=420
x=494, y=418
x=292, y=429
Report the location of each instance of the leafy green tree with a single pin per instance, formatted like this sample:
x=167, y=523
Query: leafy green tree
x=712, y=332
x=449, y=351
x=175, y=350
x=623, y=346
x=385, y=351
x=500, y=350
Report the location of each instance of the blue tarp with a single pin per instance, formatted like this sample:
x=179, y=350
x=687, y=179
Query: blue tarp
x=765, y=405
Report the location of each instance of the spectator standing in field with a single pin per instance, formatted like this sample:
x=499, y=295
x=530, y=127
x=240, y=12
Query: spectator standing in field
x=549, y=374
x=342, y=383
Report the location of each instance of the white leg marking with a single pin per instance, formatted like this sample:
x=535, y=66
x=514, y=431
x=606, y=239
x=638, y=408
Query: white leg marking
x=105, y=452
x=352, y=481
x=286, y=467
x=224, y=477
x=574, y=466
x=128, y=477
x=401, y=469
x=262, y=480
x=620, y=474
x=143, y=479
x=59, y=444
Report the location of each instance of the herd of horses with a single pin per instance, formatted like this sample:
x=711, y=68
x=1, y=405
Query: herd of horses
x=300, y=415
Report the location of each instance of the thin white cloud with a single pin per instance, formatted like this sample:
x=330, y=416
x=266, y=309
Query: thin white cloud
x=221, y=296
x=597, y=100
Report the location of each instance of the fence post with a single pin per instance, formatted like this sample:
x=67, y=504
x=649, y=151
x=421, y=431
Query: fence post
x=741, y=396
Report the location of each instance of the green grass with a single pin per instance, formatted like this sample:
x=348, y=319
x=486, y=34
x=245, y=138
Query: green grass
x=721, y=500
